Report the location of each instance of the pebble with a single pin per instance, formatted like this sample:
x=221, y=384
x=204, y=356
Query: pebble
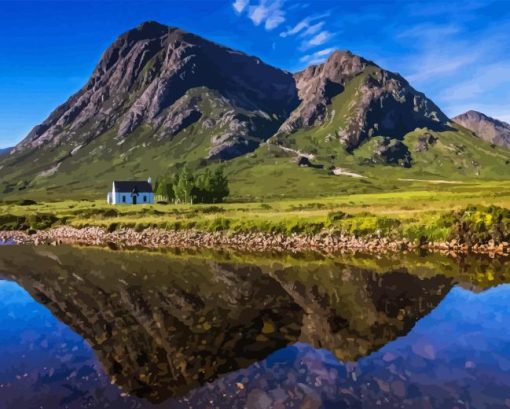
x=325, y=242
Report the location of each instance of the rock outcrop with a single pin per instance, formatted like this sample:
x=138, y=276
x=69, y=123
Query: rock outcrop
x=487, y=128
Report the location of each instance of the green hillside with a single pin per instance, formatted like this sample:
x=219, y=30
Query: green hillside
x=335, y=128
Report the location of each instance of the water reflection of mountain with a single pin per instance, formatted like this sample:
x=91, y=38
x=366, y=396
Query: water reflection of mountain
x=162, y=325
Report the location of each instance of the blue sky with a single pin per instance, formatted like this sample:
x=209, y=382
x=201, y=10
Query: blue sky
x=457, y=52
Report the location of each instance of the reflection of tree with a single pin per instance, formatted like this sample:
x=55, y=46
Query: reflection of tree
x=162, y=325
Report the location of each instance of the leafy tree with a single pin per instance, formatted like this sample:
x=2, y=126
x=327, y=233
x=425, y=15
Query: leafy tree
x=165, y=187
x=219, y=186
x=202, y=191
x=183, y=186
x=206, y=187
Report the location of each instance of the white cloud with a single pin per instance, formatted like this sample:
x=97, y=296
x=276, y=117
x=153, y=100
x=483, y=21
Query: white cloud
x=296, y=29
x=274, y=20
x=316, y=40
x=311, y=30
x=491, y=77
x=434, y=63
x=443, y=50
x=268, y=12
x=240, y=5
x=305, y=25
x=317, y=57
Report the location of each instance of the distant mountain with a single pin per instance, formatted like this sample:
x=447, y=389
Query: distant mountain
x=487, y=128
x=161, y=97
x=4, y=151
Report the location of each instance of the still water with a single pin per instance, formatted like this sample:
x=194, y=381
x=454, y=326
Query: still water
x=96, y=328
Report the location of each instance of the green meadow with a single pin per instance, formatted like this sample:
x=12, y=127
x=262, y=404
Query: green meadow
x=427, y=211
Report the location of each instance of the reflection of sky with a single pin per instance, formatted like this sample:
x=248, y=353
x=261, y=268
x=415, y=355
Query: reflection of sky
x=462, y=321
x=458, y=355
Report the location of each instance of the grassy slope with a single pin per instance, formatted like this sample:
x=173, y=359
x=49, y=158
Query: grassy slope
x=270, y=173
x=409, y=214
x=266, y=174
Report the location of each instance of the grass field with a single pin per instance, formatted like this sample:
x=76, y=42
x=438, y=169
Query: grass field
x=431, y=213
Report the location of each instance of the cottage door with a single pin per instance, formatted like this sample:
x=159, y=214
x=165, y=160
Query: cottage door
x=134, y=199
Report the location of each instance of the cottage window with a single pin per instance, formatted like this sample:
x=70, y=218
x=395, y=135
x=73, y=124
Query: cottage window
x=145, y=199
x=123, y=199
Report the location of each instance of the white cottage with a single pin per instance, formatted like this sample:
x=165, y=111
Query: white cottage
x=131, y=192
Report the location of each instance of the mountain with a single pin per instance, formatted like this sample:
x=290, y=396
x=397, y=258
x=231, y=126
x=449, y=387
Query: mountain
x=5, y=151
x=487, y=128
x=168, y=79
x=384, y=102
x=160, y=98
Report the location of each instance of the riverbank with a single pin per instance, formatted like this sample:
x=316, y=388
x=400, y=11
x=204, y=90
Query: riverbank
x=323, y=242
x=441, y=221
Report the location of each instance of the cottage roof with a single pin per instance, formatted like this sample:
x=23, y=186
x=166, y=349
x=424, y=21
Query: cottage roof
x=134, y=185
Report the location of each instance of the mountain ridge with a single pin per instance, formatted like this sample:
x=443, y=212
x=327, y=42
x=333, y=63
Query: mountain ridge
x=485, y=127
x=160, y=98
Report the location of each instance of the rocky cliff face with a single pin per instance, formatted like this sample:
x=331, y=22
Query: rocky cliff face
x=380, y=103
x=487, y=128
x=147, y=77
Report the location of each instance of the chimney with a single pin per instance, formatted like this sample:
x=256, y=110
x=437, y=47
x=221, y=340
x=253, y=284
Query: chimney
x=149, y=181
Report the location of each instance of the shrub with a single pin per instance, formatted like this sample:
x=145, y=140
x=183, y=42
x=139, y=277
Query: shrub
x=41, y=221
x=26, y=202
x=338, y=215
x=219, y=224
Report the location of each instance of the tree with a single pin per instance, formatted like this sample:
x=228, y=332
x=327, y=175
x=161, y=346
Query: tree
x=165, y=187
x=183, y=186
x=202, y=191
x=219, y=186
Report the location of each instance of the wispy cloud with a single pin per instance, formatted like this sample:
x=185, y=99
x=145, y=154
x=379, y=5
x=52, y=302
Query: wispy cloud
x=460, y=66
x=484, y=80
x=318, y=39
x=317, y=57
x=304, y=25
x=240, y=5
x=269, y=13
x=442, y=50
x=311, y=30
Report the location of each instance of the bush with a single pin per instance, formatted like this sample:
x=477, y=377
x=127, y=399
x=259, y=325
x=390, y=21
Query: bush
x=478, y=224
x=41, y=221
x=338, y=215
x=26, y=202
x=219, y=224
x=12, y=222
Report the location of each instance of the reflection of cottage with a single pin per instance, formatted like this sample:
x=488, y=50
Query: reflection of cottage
x=131, y=192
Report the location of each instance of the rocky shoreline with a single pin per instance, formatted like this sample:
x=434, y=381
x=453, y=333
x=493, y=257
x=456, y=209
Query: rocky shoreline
x=325, y=242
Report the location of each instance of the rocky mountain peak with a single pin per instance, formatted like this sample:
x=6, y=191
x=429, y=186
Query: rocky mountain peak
x=147, y=77
x=381, y=102
x=489, y=129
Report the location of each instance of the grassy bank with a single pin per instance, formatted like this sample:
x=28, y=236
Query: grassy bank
x=469, y=213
